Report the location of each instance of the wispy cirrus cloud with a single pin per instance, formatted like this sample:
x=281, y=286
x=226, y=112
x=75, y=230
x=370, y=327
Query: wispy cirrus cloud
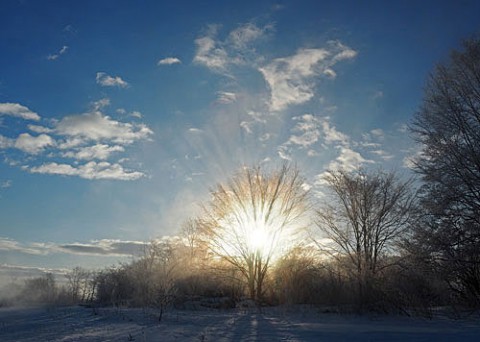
x=106, y=80
x=60, y=52
x=169, y=61
x=241, y=37
x=18, y=110
x=210, y=52
x=237, y=48
x=291, y=79
x=226, y=97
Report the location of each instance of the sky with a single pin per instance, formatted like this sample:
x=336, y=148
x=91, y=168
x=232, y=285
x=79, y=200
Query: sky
x=118, y=117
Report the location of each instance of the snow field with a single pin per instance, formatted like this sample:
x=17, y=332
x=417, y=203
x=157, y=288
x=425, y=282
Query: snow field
x=272, y=324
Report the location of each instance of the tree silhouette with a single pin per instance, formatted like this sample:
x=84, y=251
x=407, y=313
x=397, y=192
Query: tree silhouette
x=448, y=128
x=254, y=218
x=363, y=217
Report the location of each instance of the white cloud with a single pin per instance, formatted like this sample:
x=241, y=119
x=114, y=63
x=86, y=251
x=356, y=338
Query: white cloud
x=110, y=81
x=226, y=97
x=55, y=169
x=5, y=142
x=90, y=136
x=90, y=170
x=33, y=145
x=54, y=56
x=348, y=160
x=247, y=126
x=99, y=151
x=246, y=34
x=19, y=111
x=6, y=184
x=136, y=114
x=383, y=154
x=169, y=61
x=209, y=53
x=291, y=78
x=332, y=135
x=236, y=49
x=307, y=126
x=378, y=133
x=257, y=118
x=330, y=73
x=102, y=103
x=284, y=153
x=70, y=143
x=310, y=129
x=12, y=245
x=96, y=126
x=39, y=129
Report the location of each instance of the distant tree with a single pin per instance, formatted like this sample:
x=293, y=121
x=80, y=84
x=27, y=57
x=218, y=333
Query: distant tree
x=115, y=286
x=78, y=282
x=362, y=216
x=295, y=276
x=190, y=233
x=253, y=218
x=448, y=128
x=164, y=289
x=153, y=276
x=40, y=290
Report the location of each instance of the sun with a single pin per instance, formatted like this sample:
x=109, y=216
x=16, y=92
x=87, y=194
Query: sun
x=250, y=232
x=258, y=239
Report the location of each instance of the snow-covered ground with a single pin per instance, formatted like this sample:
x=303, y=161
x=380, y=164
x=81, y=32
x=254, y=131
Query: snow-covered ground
x=273, y=324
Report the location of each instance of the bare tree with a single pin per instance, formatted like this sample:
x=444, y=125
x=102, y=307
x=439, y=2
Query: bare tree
x=78, y=282
x=253, y=218
x=164, y=277
x=154, y=276
x=362, y=217
x=448, y=128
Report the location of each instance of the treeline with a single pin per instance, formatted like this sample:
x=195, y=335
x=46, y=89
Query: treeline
x=172, y=273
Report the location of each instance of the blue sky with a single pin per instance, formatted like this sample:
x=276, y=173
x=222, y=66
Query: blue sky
x=116, y=117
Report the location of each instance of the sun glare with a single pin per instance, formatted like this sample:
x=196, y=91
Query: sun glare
x=246, y=233
x=258, y=238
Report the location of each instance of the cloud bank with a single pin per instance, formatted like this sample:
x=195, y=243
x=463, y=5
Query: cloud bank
x=89, y=145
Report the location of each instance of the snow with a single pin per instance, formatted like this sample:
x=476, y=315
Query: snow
x=272, y=324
